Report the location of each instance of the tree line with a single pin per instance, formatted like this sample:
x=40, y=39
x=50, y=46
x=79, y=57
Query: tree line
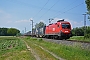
x=81, y=31
x=9, y=31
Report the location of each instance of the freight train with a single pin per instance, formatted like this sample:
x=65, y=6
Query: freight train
x=59, y=30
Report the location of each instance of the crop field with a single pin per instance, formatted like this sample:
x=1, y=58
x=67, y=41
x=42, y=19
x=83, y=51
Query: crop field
x=27, y=48
x=12, y=48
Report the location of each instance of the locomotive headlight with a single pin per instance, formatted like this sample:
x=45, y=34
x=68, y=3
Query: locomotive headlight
x=66, y=31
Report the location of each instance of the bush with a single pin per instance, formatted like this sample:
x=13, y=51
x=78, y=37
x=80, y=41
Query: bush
x=18, y=34
x=87, y=36
x=40, y=39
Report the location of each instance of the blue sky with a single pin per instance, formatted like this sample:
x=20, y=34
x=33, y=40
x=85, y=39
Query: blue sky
x=17, y=13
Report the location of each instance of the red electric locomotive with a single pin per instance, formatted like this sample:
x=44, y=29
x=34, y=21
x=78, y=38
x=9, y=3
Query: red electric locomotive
x=59, y=30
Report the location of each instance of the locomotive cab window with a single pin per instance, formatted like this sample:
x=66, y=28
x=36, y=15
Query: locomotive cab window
x=66, y=26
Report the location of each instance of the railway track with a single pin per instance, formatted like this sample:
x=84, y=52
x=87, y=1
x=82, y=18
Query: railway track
x=69, y=40
x=82, y=44
x=79, y=41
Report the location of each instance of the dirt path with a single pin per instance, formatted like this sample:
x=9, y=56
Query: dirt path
x=59, y=58
x=37, y=56
x=33, y=52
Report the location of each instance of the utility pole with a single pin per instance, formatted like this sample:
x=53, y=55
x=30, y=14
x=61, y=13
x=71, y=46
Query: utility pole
x=32, y=26
x=25, y=29
x=84, y=24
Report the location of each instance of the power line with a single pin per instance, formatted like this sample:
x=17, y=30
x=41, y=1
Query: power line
x=41, y=8
x=33, y=6
x=50, y=8
x=69, y=9
x=65, y=7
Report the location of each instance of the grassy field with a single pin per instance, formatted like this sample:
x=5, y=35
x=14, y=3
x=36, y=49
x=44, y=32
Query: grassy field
x=12, y=48
x=40, y=52
x=79, y=38
x=66, y=52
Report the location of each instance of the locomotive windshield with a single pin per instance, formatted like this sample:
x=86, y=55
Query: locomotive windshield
x=66, y=26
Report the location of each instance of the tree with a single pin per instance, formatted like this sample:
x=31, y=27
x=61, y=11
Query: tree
x=3, y=31
x=41, y=24
x=78, y=31
x=37, y=25
x=88, y=7
x=88, y=30
x=87, y=35
x=13, y=31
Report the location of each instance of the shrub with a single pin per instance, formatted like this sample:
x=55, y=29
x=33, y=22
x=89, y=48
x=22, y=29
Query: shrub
x=40, y=39
x=87, y=36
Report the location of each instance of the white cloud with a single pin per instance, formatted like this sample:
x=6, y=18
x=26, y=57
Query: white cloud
x=22, y=21
x=7, y=20
x=31, y=19
x=20, y=24
x=42, y=21
x=57, y=18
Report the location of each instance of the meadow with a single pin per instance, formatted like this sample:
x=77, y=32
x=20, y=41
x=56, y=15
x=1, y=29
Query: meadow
x=63, y=51
x=80, y=38
x=12, y=48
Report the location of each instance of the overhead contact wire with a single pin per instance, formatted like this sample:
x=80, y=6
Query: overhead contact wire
x=69, y=9
x=49, y=8
x=41, y=8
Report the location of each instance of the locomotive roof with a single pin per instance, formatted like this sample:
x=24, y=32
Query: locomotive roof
x=63, y=22
x=59, y=22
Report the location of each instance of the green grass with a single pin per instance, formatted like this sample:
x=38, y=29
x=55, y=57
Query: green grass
x=41, y=53
x=79, y=38
x=12, y=48
x=66, y=52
